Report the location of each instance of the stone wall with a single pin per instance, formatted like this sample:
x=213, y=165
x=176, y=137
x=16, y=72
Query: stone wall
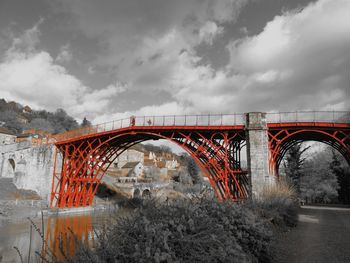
x=30, y=167
x=7, y=138
x=258, y=152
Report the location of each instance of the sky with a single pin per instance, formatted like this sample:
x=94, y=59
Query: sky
x=110, y=59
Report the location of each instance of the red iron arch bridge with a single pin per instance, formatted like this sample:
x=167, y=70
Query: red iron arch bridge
x=215, y=142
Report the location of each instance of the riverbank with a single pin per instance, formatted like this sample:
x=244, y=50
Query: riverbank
x=22, y=234
x=12, y=211
x=192, y=230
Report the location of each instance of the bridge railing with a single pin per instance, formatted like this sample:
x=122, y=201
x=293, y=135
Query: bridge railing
x=206, y=120
x=308, y=116
x=151, y=121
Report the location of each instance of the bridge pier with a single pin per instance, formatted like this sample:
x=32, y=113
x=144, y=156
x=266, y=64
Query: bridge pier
x=258, y=152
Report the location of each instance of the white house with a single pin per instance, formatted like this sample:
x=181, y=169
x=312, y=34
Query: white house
x=6, y=136
x=133, y=169
x=171, y=164
x=152, y=156
x=128, y=156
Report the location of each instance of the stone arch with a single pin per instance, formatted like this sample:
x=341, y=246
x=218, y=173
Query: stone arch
x=11, y=168
x=146, y=193
x=12, y=164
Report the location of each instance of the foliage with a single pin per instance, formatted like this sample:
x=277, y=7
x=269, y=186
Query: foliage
x=85, y=123
x=189, y=188
x=103, y=191
x=318, y=179
x=197, y=230
x=11, y=121
x=319, y=184
x=152, y=172
x=201, y=231
x=342, y=172
x=66, y=122
x=293, y=164
x=192, y=168
x=18, y=118
x=157, y=149
x=279, y=203
x=183, y=177
x=42, y=124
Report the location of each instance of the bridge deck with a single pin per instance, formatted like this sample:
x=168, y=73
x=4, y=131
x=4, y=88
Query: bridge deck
x=212, y=122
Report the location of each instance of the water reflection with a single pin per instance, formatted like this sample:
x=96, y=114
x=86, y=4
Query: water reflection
x=63, y=234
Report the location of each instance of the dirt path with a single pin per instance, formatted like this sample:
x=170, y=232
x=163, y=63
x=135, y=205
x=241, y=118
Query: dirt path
x=322, y=235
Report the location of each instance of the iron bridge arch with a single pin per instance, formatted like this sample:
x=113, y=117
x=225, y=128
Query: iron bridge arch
x=214, y=142
x=281, y=139
x=85, y=161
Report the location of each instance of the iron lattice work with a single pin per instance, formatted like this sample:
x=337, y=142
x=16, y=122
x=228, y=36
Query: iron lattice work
x=284, y=136
x=214, y=141
x=86, y=159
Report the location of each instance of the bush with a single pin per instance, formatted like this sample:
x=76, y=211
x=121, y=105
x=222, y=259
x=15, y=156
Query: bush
x=196, y=230
x=278, y=203
x=187, y=231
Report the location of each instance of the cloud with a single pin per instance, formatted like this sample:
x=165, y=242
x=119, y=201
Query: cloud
x=125, y=27
x=148, y=44
x=27, y=42
x=225, y=10
x=65, y=54
x=209, y=31
x=300, y=60
x=150, y=110
x=301, y=56
x=36, y=79
x=32, y=77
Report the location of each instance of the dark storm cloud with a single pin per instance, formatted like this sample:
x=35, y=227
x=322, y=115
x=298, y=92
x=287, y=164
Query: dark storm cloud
x=114, y=58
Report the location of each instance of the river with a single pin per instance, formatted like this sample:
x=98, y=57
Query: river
x=57, y=232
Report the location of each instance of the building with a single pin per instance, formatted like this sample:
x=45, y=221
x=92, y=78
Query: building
x=128, y=156
x=6, y=136
x=36, y=136
x=132, y=169
x=144, y=166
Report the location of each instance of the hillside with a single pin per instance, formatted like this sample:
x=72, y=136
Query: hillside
x=17, y=118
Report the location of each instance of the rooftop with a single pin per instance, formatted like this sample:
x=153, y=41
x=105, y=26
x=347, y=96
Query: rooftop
x=4, y=130
x=130, y=164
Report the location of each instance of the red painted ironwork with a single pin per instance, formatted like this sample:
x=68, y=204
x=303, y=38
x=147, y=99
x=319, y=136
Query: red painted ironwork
x=86, y=159
x=214, y=142
x=282, y=136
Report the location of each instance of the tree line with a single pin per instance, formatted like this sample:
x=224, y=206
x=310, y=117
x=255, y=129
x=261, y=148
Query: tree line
x=318, y=177
x=17, y=118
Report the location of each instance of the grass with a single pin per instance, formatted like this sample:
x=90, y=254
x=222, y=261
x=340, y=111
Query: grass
x=279, y=204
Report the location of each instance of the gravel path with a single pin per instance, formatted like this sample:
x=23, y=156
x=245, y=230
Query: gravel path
x=322, y=235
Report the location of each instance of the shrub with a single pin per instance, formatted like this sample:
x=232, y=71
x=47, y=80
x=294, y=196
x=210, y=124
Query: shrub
x=195, y=230
x=279, y=204
x=186, y=231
